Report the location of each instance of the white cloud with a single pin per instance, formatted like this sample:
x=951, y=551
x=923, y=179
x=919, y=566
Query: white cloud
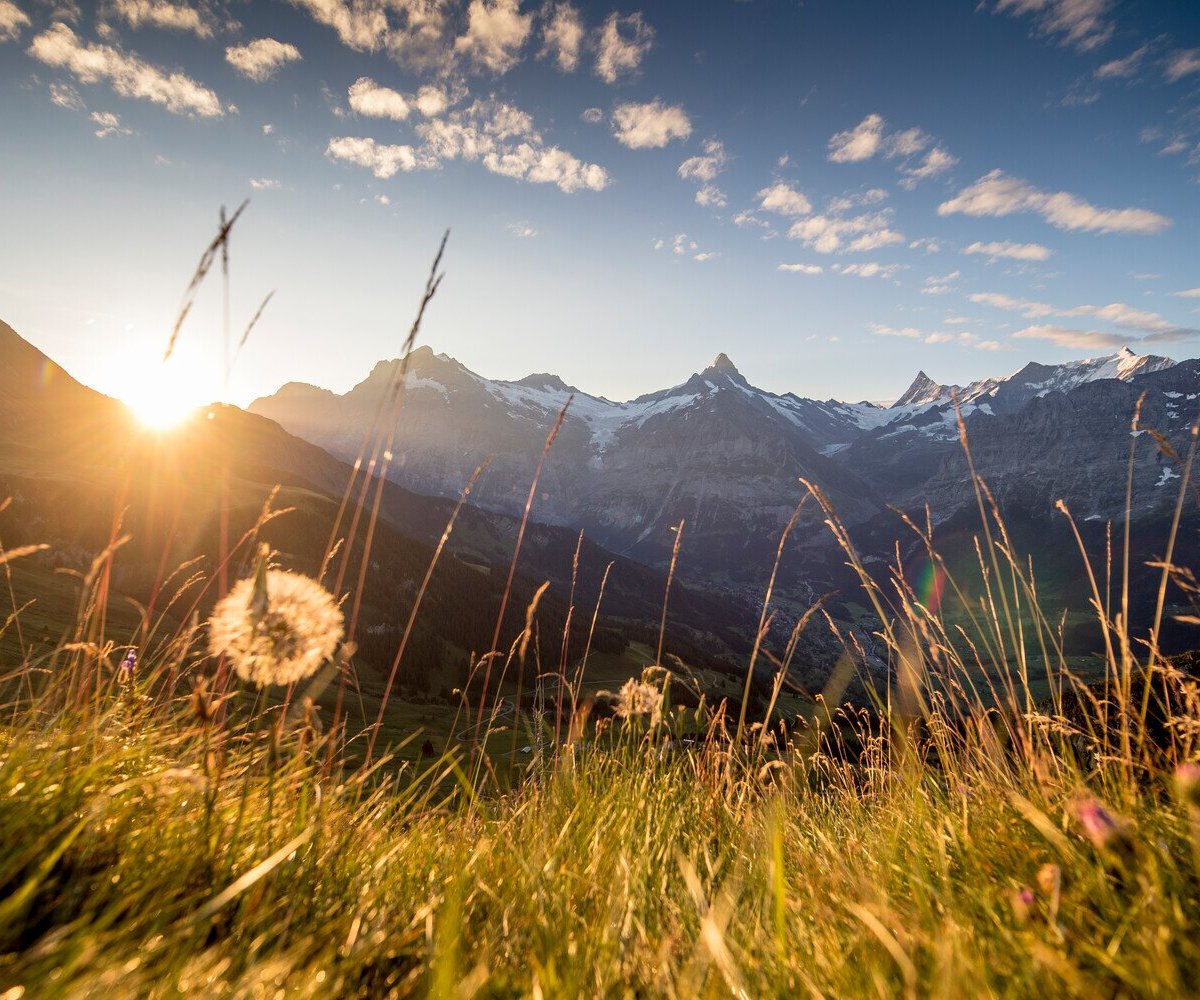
x=856, y=234
x=262, y=58
x=748, y=220
x=370, y=99
x=164, y=14
x=1122, y=68
x=128, y=75
x=382, y=160
x=872, y=196
x=1081, y=23
x=382, y=199
x=997, y=194
x=12, y=20
x=107, y=124
x=562, y=35
x=499, y=136
x=593, y=116
x=414, y=32
x=682, y=245
x=801, y=268
x=874, y=240
x=708, y=166
x=870, y=137
x=869, y=270
x=936, y=161
x=1063, y=337
x=623, y=43
x=906, y=143
x=496, y=32
x=934, y=337
x=782, y=199
x=65, y=96
x=711, y=196
x=650, y=126
x=264, y=184
x=268, y=129
x=706, y=255
x=431, y=101
x=1011, y=251
x=1116, y=313
x=1183, y=63
x=859, y=143
x=1189, y=293
x=522, y=230
x=940, y=284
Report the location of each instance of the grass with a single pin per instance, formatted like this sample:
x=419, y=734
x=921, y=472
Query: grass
x=987, y=823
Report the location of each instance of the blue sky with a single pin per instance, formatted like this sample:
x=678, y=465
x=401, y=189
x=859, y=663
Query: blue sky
x=835, y=192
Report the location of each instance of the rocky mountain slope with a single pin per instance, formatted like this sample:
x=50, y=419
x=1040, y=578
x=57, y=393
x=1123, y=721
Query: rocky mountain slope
x=728, y=456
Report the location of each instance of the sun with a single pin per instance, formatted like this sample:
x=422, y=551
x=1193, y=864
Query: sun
x=158, y=408
x=161, y=396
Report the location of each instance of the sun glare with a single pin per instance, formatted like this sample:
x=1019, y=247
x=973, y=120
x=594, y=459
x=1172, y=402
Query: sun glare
x=162, y=396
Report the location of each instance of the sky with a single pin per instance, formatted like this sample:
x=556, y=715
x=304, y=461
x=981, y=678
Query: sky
x=836, y=193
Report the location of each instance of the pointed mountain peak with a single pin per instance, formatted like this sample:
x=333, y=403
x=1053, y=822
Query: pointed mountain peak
x=1125, y=352
x=723, y=366
x=923, y=390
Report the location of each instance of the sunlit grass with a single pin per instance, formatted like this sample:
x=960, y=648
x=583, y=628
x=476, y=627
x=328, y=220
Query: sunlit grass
x=984, y=822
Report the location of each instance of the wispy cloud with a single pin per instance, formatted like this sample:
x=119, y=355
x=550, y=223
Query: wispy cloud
x=870, y=137
x=264, y=184
x=782, y=199
x=1124, y=67
x=382, y=160
x=107, y=125
x=997, y=194
x=12, y=20
x=872, y=269
x=262, y=58
x=859, y=143
x=1010, y=251
x=1063, y=337
x=1189, y=293
x=496, y=33
x=1083, y=24
x=499, y=136
x=1182, y=63
x=708, y=166
x=128, y=75
x=64, y=95
x=1115, y=313
x=800, y=268
x=197, y=19
x=622, y=45
x=650, y=126
x=562, y=35
x=852, y=234
x=368, y=98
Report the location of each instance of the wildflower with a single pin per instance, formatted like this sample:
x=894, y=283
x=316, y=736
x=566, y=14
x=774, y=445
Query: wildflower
x=1106, y=831
x=1187, y=783
x=128, y=666
x=276, y=627
x=1024, y=904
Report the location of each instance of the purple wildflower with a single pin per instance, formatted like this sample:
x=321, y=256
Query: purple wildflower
x=1102, y=828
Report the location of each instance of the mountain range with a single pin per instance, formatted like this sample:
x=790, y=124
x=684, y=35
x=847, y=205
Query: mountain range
x=728, y=456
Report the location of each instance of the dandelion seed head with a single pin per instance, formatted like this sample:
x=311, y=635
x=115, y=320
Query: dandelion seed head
x=639, y=698
x=279, y=641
